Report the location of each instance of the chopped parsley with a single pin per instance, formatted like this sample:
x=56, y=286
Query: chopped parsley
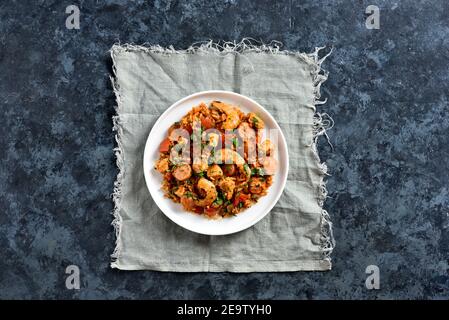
x=255, y=121
x=235, y=142
x=257, y=172
x=218, y=201
x=220, y=198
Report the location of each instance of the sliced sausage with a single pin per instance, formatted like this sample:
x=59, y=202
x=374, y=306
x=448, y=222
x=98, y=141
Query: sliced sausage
x=183, y=172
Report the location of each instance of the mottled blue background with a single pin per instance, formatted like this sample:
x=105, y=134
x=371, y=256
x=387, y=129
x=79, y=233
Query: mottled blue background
x=387, y=92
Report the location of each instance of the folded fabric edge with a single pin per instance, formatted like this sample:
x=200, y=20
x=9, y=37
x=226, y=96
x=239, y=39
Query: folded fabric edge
x=322, y=122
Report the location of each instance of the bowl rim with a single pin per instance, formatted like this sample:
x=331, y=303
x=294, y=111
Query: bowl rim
x=147, y=166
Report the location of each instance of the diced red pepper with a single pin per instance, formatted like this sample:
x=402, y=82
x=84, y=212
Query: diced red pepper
x=207, y=123
x=197, y=210
x=240, y=198
x=210, y=211
x=165, y=145
x=188, y=128
x=168, y=176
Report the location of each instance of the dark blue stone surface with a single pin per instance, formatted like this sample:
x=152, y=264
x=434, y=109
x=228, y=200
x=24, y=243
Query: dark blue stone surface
x=387, y=92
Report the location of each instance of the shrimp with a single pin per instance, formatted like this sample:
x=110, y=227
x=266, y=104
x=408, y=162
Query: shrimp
x=214, y=172
x=200, y=163
x=266, y=148
x=269, y=165
x=188, y=203
x=227, y=186
x=246, y=132
x=230, y=156
x=248, y=135
x=232, y=115
x=255, y=121
x=212, y=139
x=208, y=188
x=200, y=166
x=256, y=185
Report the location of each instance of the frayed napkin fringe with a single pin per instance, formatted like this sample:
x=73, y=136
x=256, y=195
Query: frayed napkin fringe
x=322, y=121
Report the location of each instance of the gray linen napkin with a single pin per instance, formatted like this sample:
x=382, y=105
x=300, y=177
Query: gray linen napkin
x=296, y=234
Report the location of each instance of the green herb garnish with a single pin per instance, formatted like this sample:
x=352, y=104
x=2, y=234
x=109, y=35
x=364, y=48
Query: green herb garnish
x=257, y=172
x=235, y=142
x=218, y=201
x=255, y=121
x=246, y=168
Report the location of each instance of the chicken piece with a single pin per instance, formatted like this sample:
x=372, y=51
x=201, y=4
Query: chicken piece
x=162, y=165
x=180, y=192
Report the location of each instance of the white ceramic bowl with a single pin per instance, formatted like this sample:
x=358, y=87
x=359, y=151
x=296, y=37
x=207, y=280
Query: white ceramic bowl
x=175, y=211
